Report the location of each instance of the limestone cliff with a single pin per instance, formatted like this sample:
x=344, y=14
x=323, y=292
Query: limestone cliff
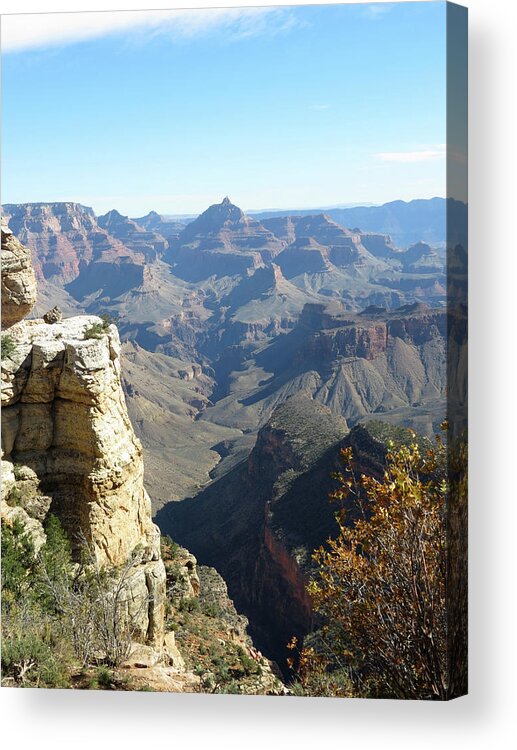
x=18, y=280
x=69, y=447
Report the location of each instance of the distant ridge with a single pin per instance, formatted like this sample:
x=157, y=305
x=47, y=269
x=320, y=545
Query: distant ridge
x=406, y=222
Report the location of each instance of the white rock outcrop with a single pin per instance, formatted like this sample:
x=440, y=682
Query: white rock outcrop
x=69, y=448
x=18, y=280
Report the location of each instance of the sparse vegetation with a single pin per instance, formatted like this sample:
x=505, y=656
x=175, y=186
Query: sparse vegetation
x=7, y=347
x=18, y=471
x=97, y=330
x=205, y=627
x=58, y=616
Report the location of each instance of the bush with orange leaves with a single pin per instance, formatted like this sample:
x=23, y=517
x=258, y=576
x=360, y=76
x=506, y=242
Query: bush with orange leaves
x=380, y=586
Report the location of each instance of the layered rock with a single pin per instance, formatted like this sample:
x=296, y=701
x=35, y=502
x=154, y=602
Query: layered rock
x=134, y=236
x=377, y=361
x=334, y=333
x=421, y=258
x=222, y=241
x=69, y=448
x=304, y=255
x=155, y=222
x=18, y=280
x=320, y=243
x=63, y=238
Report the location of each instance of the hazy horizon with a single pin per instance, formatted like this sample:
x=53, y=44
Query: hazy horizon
x=253, y=210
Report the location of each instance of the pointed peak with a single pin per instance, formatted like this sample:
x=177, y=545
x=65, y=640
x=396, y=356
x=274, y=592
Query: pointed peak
x=226, y=201
x=113, y=215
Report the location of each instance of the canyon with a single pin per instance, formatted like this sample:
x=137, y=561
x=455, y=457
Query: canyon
x=252, y=349
x=69, y=452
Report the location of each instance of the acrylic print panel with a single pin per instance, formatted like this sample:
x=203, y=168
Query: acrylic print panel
x=234, y=363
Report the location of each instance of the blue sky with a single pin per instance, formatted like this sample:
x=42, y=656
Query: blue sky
x=278, y=108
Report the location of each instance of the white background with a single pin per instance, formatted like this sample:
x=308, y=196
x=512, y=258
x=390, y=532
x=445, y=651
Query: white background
x=485, y=718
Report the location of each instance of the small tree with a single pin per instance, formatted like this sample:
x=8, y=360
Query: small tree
x=381, y=584
x=17, y=561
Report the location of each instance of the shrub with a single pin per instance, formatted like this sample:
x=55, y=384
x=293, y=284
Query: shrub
x=57, y=614
x=18, y=471
x=97, y=330
x=105, y=678
x=189, y=605
x=17, y=561
x=27, y=660
x=7, y=347
x=380, y=586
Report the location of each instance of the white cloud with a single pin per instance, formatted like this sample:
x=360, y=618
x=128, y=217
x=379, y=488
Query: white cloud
x=319, y=107
x=35, y=30
x=406, y=157
x=374, y=12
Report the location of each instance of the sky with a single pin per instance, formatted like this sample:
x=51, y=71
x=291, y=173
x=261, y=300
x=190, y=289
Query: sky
x=292, y=107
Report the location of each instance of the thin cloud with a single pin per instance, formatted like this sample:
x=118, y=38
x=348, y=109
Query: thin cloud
x=37, y=31
x=376, y=11
x=319, y=107
x=409, y=157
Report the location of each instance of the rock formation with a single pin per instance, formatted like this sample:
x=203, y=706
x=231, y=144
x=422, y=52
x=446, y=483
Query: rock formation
x=319, y=243
x=134, y=236
x=154, y=222
x=63, y=237
x=53, y=316
x=69, y=447
x=222, y=241
x=18, y=280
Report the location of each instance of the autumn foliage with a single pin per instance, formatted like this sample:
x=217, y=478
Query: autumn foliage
x=380, y=586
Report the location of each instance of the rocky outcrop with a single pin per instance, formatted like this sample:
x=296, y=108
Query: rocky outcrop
x=379, y=245
x=421, y=258
x=109, y=278
x=69, y=448
x=210, y=636
x=18, y=280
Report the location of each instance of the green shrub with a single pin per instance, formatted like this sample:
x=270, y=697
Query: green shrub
x=189, y=605
x=105, y=678
x=18, y=471
x=54, y=569
x=8, y=347
x=17, y=560
x=97, y=330
x=168, y=546
x=28, y=661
